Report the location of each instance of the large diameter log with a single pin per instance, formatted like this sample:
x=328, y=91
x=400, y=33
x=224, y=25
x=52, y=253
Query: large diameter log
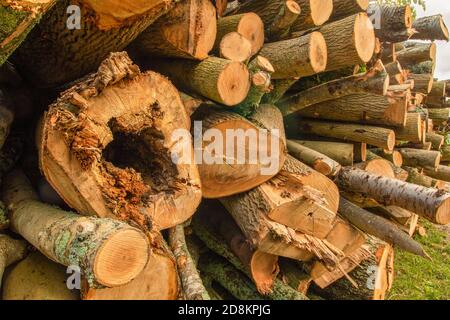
x=412, y=131
x=441, y=173
x=226, y=82
x=158, y=281
x=61, y=43
x=429, y=203
x=376, y=82
x=430, y=28
x=417, y=53
x=380, y=137
x=379, y=227
x=350, y=41
x=297, y=197
x=229, y=167
x=88, y=134
x=37, y=278
x=261, y=266
x=17, y=22
x=248, y=25
x=390, y=19
x=345, y=8
x=297, y=57
x=186, y=31
x=314, y=13
x=361, y=108
x=313, y=158
x=109, y=252
x=340, y=152
x=420, y=158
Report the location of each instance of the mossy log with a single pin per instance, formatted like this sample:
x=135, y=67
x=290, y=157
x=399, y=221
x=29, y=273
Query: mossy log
x=430, y=28
x=87, y=135
x=61, y=42
x=376, y=136
x=429, y=203
x=109, y=252
x=186, y=31
x=417, y=177
x=38, y=278
x=343, y=153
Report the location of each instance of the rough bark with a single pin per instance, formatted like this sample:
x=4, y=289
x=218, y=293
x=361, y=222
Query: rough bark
x=109, y=252
x=88, y=133
x=429, y=203
x=415, y=176
x=379, y=227
x=293, y=274
x=436, y=140
x=441, y=173
x=375, y=81
x=437, y=96
x=420, y=158
x=380, y=137
x=423, y=83
x=439, y=116
x=192, y=284
x=187, y=31
x=391, y=19
x=111, y=26
x=412, y=131
x=314, y=13
x=11, y=251
x=340, y=152
x=416, y=53
x=238, y=171
x=286, y=17
x=345, y=8
x=313, y=158
x=395, y=157
x=279, y=88
x=297, y=57
x=37, y=278
x=430, y=28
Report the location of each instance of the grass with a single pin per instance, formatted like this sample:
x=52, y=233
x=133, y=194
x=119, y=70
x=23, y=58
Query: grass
x=420, y=279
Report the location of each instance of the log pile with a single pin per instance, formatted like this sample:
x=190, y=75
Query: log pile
x=197, y=149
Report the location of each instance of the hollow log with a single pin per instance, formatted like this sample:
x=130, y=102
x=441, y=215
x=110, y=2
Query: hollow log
x=297, y=57
x=241, y=169
x=350, y=41
x=376, y=82
x=441, y=173
x=380, y=137
x=88, y=133
x=313, y=158
x=430, y=28
x=223, y=81
x=379, y=227
x=412, y=131
x=59, y=42
x=340, y=152
x=158, y=281
x=187, y=31
x=37, y=278
x=345, y=8
x=248, y=25
x=235, y=47
x=420, y=158
x=395, y=157
x=429, y=203
x=19, y=20
x=436, y=140
x=109, y=252
x=415, y=176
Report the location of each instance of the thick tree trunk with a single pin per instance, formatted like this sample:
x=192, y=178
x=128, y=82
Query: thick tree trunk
x=158, y=281
x=17, y=22
x=379, y=227
x=313, y=158
x=223, y=81
x=37, y=278
x=314, y=13
x=248, y=25
x=187, y=31
x=417, y=53
x=280, y=27
x=391, y=19
x=297, y=57
x=104, y=27
x=89, y=132
x=430, y=28
x=241, y=167
x=109, y=252
x=340, y=152
x=379, y=137
x=412, y=131
x=429, y=203
x=420, y=158
x=441, y=173
x=345, y=8
x=375, y=81
x=350, y=41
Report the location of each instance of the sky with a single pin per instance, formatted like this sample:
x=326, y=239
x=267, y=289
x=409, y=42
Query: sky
x=443, y=48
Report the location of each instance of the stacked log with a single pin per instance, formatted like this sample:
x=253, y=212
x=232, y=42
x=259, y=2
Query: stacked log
x=254, y=149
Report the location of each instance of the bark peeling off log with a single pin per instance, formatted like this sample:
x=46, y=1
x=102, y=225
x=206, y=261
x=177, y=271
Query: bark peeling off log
x=89, y=133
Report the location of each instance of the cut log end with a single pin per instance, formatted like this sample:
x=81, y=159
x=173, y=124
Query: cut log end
x=293, y=7
x=443, y=212
x=391, y=141
x=321, y=11
x=264, y=268
x=119, y=260
x=318, y=53
x=235, y=47
x=233, y=83
x=408, y=16
x=364, y=34
x=252, y=27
